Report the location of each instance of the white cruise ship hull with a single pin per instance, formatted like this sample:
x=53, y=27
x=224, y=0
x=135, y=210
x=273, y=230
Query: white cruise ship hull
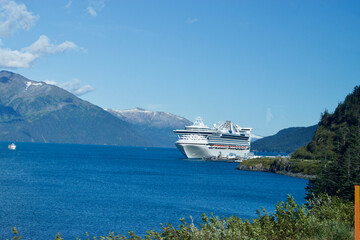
x=205, y=151
x=194, y=150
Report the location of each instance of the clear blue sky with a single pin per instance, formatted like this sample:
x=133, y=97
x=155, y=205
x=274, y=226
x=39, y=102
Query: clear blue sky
x=263, y=64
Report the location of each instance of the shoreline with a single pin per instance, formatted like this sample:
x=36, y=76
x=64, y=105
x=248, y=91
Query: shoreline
x=260, y=167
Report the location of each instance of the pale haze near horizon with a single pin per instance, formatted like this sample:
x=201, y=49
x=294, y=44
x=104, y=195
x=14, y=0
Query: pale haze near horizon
x=268, y=65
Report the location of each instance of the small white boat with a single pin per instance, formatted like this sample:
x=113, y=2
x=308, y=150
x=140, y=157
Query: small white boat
x=12, y=146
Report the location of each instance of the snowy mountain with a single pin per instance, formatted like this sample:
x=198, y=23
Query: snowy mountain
x=32, y=111
x=158, y=126
x=139, y=116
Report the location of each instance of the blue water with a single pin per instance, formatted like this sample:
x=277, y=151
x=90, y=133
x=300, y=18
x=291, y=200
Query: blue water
x=73, y=189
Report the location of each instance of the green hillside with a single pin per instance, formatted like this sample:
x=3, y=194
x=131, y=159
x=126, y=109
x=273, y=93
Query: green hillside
x=337, y=144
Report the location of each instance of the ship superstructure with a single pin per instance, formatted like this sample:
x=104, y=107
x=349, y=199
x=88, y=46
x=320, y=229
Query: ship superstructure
x=224, y=141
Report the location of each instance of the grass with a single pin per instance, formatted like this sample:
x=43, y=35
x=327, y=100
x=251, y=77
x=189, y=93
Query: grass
x=303, y=166
x=266, y=162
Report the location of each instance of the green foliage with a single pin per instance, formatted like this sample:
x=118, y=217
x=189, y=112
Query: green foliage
x=337, y=144
x=304, y=166
x=336, y=131
x=265, y=162
x=303, y=153
x=331, y=217
x=58, y=237
x=276, y=165
x=325, y=217
x=288, y=222
x=325, y=207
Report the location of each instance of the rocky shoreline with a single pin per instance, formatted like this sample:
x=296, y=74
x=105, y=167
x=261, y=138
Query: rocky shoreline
x=259, y=167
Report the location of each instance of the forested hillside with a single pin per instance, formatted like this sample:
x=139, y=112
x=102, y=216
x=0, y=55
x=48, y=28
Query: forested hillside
x=337, y=144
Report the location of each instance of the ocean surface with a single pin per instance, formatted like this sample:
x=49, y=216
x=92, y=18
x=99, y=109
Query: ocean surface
x=73, y=189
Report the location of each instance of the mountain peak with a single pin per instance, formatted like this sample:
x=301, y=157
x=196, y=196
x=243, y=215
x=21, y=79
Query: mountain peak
x=158, y=125
x=6, y=72
x=33, y=111
x=149, y=118
x=6, y=76
x=14, y=78
x=32, y=99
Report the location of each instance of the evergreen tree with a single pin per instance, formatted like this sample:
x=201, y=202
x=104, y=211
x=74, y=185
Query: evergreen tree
x=337, y=144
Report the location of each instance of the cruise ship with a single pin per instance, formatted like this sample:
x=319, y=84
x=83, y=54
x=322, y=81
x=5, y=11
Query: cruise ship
x=225, y=141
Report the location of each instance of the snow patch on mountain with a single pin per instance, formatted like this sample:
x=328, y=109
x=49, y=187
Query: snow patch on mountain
x=256, y=136
x=140, y=116
x=28, y=84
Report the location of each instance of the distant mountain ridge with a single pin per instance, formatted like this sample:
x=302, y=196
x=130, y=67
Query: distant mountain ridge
x=157, y=125
x=285, y=141
x=140, y=116
x=32, y=111
x=255, y=137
